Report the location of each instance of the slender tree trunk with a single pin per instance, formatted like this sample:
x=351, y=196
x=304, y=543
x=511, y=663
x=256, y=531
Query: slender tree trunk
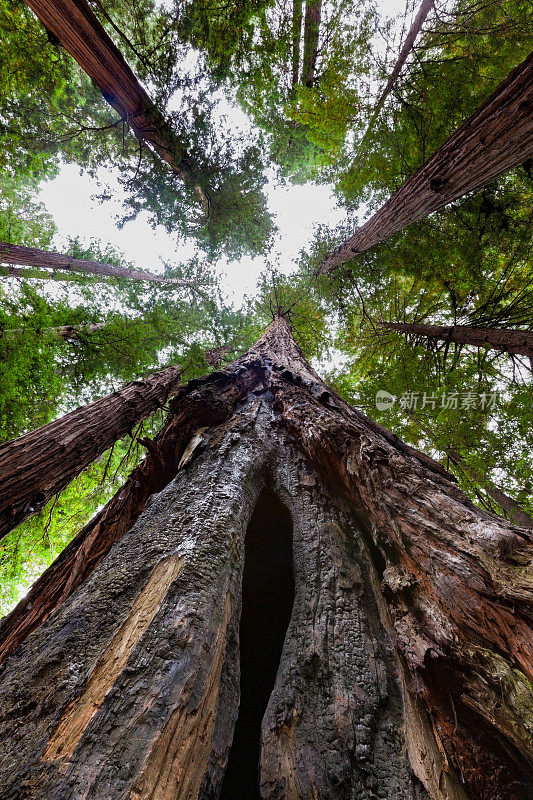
x=514, y=342
x=296, y=37
x=496, y=138
x=313, y=13
x=32, y=257
x=65, y=331
x=407, y=46
x=81, y=34
x=514, y=510
x=408, y=647
x=41, y=463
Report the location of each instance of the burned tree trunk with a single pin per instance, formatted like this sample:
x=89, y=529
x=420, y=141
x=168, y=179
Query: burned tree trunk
x=514, y=342
x=32, y=257
x=496, y=138
x=405, y=668
x=41, y=463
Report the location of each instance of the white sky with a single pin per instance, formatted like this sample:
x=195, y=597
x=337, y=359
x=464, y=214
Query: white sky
x=297, y=210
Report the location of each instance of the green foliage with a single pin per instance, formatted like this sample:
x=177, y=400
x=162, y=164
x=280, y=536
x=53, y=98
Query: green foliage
x=460, y=59
x=22, y=220
x=30, y=548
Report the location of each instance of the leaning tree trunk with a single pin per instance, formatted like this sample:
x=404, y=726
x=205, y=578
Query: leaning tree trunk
x=406, y=665
x=407, y=46
x=38, y=465
x=514, y=342
x=313, y=13
x=64, y=331
x=81, y=34
x=496, y=138
x=32, y=257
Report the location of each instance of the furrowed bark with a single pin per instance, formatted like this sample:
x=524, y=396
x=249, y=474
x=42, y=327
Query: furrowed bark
x=496, y=138
x=81, y=34
x=410, y=606
x=191, y=411
x=514, y=342
x=37, y=465
x=313, y=13
x=32, y=257
x=407, y=46
x=172, y=638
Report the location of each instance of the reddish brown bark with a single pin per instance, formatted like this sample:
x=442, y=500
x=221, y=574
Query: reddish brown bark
x=296, y=37
x=32, y=257
x=496, y=138
x=81, y=34
x=514, y=342
x=512, y=509
x=41, y=463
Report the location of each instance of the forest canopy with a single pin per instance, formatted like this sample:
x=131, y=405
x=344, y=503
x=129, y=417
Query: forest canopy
x=217, y=108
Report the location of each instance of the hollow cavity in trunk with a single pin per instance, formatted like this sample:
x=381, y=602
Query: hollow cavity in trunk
x=267, y=600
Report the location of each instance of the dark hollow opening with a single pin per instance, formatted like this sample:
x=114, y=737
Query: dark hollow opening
x=267, y=600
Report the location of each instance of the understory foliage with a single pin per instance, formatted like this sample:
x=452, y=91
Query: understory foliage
x=308, y=90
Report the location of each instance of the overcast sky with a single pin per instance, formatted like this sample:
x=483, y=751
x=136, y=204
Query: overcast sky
x=297, y=210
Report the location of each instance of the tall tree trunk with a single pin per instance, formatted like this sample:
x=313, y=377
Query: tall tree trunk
x=296, y=37
x=193, y=409
x=514, y=510
x=407, y=46
x=496, y=138
x=407, y=652
x=81, y=34
x=514, y=342
x=65, y=331
x=32, y=257
x=41, y=463
x=313, y=13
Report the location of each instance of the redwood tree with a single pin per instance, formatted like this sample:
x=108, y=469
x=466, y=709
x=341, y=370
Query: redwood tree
x=514, y=342
x=406, y=666
x=495, y=138
x=41, y=463
x=32, y=257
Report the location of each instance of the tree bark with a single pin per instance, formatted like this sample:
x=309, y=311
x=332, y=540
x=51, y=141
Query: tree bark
x=81, y=34
x=32, y=257
x=514, y=342
x=296, y=37
x=407, y=46
x=37, y=465
x=408, y=650
x=496, y=138
x=193, y=409
x=313, y=13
